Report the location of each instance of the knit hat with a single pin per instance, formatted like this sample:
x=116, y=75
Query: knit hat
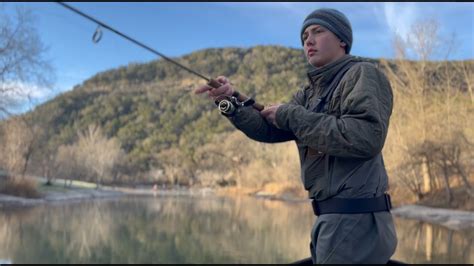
x=333, y=20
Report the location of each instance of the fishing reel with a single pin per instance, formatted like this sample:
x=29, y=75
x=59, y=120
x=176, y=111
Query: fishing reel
x=228, y=105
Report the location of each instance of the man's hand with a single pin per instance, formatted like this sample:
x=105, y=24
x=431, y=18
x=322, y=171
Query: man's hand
x=225, y=90
x=270, y=113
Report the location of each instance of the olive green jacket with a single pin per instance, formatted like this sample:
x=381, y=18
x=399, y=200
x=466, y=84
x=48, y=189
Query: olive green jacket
x=340, y=154
x=340, y=147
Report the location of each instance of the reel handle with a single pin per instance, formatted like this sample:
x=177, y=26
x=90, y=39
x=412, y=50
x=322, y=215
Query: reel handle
x=241, y=97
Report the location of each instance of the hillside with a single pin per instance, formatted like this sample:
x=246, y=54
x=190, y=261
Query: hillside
x=171, y=136
x=150, y=107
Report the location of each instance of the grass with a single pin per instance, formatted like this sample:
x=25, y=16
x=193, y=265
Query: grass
x=52, y=188
x=28, y=187
x=57, y=185
x=73, y=184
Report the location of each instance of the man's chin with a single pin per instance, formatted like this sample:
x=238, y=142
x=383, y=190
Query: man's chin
x=315, y=62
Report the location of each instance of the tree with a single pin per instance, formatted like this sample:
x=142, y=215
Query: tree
x=431, y=112
x=93, y=156
x=98, y=153
x=17, y=145
x=178, y=168
x=22, y=62
x=68, y=164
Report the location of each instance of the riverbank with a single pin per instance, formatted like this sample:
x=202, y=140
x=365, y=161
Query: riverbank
x=452, y=219
x=75, y=191
x=67, y=195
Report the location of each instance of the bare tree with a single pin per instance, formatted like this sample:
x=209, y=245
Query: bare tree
x=431, y=111
x=22, y=64
x=48, y=164
x=98, y=153
x=69, y=166
x=17, y=145
x=93, y=156
x=178, y=168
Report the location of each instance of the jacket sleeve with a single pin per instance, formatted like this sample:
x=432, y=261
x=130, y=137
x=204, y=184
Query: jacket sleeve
x=360, y=131
x=255, y=126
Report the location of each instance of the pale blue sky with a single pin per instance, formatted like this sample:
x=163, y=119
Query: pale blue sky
x=177, y=29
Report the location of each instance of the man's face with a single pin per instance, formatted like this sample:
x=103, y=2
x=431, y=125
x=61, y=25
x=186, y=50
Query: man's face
x=321, y=46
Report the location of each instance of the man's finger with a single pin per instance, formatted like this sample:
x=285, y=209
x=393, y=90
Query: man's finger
x=219, y=91
x=222, y=80
x=202, y=89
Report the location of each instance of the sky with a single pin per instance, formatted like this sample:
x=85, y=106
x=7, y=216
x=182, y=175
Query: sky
x=176, y=29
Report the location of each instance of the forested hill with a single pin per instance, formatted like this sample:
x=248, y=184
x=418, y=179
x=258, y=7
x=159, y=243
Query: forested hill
x=150, y=107
x=151, y=128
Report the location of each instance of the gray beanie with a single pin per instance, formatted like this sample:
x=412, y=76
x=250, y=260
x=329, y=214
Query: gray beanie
x=333, y=20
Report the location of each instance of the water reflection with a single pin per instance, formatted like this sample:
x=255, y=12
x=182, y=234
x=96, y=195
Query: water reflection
x=192, y=230
x=421, y=242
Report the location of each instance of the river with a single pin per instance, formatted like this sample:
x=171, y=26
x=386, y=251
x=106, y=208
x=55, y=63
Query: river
x=193, y=229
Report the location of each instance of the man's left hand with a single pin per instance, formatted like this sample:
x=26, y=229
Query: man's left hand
x=270, y=113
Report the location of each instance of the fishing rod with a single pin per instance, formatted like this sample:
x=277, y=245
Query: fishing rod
x=225, y=105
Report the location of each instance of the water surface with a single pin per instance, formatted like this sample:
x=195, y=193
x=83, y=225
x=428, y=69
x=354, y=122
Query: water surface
x=187, y=229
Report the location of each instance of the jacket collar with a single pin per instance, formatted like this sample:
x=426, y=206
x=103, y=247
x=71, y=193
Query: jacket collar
x=322, y=77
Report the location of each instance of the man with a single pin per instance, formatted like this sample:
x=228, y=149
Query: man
x=339, y=123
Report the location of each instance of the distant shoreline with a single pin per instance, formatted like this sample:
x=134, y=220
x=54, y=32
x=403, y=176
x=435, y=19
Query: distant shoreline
x=74, y=194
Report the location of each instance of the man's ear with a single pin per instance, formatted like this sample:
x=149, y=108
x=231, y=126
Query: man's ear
x=343, y=44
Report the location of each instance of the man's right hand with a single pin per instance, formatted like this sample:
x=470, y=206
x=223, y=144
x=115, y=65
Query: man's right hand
x=225, y=90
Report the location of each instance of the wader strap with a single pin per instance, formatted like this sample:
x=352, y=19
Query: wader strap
x=340, y=205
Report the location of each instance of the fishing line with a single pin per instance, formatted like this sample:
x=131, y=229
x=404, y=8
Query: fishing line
x=211, y=82
x=132, y=40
